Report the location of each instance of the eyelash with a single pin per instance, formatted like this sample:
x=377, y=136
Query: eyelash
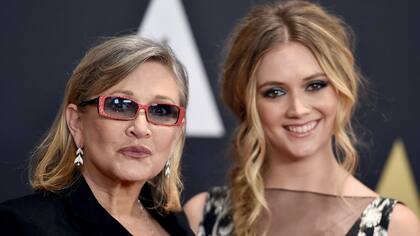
x=274, y=92
x=312, y=86
x=316, y=85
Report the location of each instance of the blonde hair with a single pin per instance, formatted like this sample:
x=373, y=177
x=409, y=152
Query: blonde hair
x=101, y=68
x=266, y=26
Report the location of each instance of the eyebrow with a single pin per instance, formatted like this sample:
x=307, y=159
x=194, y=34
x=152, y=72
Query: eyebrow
x=158, y=97
x=126, y=92
x=305, y=79
x=314, y=76
x=164, y=98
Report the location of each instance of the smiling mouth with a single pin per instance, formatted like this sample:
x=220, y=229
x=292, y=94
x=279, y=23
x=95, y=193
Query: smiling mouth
x=302, y=130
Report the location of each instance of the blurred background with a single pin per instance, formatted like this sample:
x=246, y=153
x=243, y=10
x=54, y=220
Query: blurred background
x=42, y=42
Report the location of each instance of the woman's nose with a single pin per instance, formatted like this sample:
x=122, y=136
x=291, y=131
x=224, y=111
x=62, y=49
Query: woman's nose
x=140, y=127
x=298, y=106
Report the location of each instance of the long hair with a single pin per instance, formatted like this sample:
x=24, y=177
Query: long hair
x=329, y=39
x=104, y=66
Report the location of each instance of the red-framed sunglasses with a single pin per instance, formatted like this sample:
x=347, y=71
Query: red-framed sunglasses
x=123, y=108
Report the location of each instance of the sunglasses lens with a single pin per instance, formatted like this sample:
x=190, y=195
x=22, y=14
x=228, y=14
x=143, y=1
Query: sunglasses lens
x=120, y=108
x=163, y=114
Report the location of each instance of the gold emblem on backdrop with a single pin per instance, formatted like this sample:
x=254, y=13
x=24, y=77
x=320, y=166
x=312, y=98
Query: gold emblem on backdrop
x=397, y=180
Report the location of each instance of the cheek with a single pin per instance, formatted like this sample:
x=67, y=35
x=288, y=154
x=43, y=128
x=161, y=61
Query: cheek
x=328, y=105
x=270, y=113
x=101, y=133
x=165, y=139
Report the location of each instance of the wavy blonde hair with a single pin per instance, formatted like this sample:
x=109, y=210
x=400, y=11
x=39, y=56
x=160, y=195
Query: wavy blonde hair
x=104, y=66
x=266, y=26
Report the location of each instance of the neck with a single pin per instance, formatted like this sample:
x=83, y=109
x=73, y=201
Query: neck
x=116, y=197
x=318, y=173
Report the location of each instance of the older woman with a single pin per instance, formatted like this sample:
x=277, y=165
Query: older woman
x=290, y=79
x=110, y=163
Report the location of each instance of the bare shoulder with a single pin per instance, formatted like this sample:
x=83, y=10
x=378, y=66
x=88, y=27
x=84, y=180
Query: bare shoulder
x=194, y=209
x=403, y=222
x=353, y=187
x=196, y=204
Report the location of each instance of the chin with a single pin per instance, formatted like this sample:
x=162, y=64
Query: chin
x=132, y=179
x=301, y=154
x=134, y=175
x=302, y=151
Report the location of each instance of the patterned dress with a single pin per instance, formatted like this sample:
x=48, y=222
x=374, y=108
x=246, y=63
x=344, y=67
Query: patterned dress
x=358, y=216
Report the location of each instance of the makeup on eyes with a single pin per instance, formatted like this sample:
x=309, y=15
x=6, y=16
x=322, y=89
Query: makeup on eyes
x=273, y=92
x=315, y=85
x=312, y=83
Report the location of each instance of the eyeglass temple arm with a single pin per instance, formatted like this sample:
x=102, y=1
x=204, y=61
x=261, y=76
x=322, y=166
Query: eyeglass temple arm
x=91, y=101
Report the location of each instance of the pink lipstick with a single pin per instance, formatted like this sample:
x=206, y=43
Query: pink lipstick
x=135, y=151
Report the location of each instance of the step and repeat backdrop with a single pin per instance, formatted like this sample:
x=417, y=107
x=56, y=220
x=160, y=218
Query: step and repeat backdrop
x=42, y=42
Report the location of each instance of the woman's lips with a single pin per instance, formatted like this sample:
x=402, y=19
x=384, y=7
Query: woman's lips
x=135, y=151
x=302, y=130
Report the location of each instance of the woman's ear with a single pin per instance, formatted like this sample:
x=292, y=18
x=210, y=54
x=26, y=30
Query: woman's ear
x=74, y=123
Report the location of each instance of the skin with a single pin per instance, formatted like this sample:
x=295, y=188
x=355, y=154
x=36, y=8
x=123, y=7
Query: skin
x=297, y=108
x=294, y=95
x=114, y=174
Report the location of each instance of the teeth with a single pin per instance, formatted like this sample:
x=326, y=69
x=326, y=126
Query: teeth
x=302, y=128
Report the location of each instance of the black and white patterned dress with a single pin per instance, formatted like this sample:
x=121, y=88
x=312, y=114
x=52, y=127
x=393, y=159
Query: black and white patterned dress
x=319, y=214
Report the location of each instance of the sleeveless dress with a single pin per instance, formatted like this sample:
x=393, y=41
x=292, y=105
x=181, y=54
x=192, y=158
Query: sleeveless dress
x=303, y=213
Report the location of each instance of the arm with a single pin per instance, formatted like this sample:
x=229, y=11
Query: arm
x=194, y=209
x=403, y=222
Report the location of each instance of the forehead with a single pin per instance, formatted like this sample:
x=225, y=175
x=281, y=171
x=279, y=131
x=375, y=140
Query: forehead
x=150, y=81
x=287, y=62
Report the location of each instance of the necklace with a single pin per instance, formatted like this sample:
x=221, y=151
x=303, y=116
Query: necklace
x=146, y=218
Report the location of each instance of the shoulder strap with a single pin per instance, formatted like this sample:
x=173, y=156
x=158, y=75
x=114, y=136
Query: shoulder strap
x=375, y=218
x=216, y=213
x=218, y=193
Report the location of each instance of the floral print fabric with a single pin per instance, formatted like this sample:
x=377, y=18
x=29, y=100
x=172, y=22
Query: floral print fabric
x=375, y=218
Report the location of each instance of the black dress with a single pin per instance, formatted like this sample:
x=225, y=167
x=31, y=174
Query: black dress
x=303, y=213
x=74, y=211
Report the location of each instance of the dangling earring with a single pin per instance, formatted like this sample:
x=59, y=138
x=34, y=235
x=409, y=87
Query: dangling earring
x=79, y=157
x=167, y=168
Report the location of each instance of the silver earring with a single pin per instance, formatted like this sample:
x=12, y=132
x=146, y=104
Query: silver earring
x=167, y=168
x=79, y=157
